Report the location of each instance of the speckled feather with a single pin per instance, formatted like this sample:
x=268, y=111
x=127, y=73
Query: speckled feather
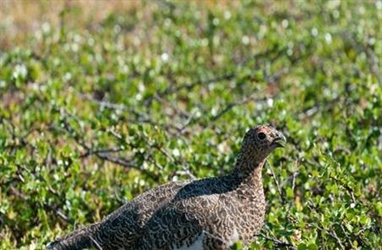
x=211, y=213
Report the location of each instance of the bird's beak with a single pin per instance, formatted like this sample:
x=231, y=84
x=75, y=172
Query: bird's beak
x=279, y=141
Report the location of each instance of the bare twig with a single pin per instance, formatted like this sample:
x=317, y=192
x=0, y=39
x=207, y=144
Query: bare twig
x=117, y=160
x=231, y=105
x=91, y=151
x=277, y=184
x=372, y=58
x=59, y=213
x=278, y=243
x=189, y=86
x=330, y=232
x=345, y=186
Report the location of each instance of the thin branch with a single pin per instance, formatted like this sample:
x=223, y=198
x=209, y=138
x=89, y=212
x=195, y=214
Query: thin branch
x=59, y=213
x=246, y=100
x=330, y=232
x=181, y=162
x=189, y=86
x=277, y=184
x=91, y=151
x=117, y=160
x=278, y=243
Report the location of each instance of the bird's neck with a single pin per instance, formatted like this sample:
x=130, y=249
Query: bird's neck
x=248, y=171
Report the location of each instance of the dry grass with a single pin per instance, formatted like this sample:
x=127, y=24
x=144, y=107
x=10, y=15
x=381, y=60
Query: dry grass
x=21, y=18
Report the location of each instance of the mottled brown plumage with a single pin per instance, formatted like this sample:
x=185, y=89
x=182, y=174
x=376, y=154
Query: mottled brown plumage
x=211, y=213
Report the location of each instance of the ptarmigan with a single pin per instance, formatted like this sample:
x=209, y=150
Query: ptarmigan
x=211, y=213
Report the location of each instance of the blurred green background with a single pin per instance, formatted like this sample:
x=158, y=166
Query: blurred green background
x=102, y=100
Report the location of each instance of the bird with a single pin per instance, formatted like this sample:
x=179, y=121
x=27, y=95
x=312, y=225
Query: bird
x=210, y=213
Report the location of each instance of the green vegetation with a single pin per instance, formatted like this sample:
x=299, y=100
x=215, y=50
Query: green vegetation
x=102, y=102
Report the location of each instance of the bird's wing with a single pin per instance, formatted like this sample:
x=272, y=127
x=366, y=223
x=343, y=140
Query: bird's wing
x=124, y=226
x=187, y=223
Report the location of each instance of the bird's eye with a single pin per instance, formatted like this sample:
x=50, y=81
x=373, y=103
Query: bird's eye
x=261, y=136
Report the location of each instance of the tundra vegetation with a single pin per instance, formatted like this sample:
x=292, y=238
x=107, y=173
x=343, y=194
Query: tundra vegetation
x=101, y=101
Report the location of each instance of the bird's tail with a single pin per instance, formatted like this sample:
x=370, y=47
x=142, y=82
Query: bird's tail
x=78, y=239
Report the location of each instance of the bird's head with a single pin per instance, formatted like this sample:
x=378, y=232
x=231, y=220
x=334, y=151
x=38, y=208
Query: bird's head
x=260, y=141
